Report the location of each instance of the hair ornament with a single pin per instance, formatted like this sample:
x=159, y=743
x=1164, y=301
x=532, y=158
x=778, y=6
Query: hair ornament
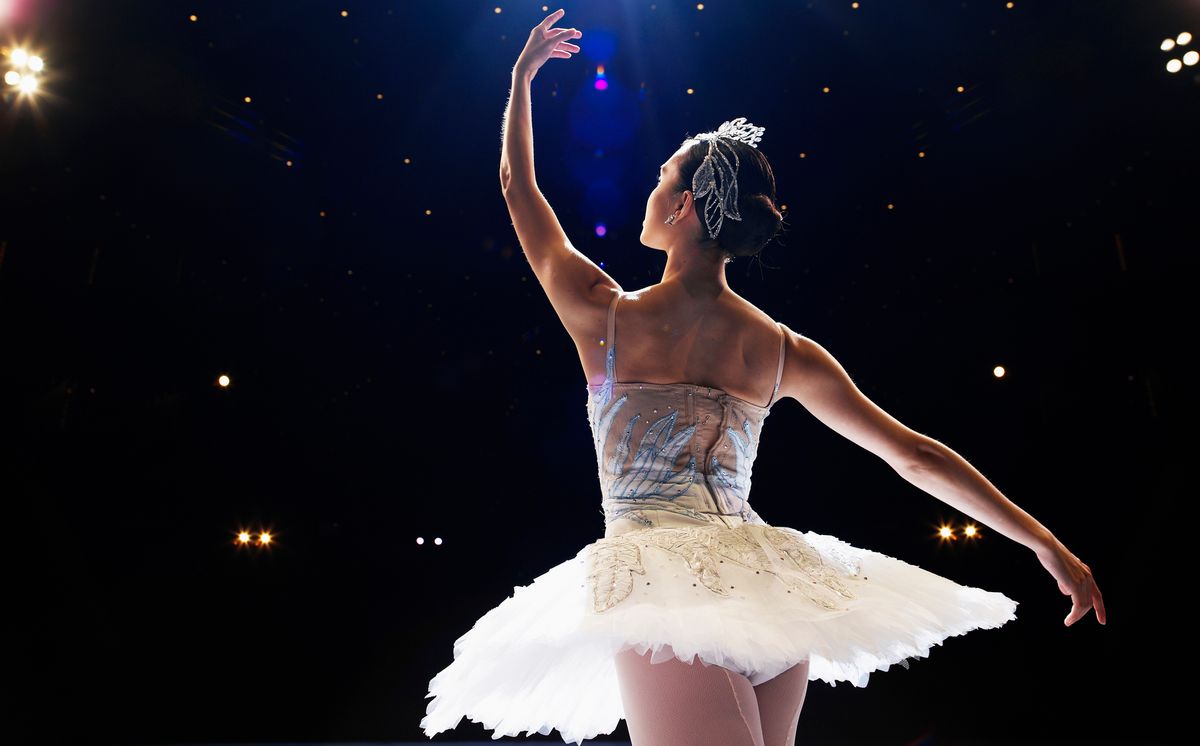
x=717, y=175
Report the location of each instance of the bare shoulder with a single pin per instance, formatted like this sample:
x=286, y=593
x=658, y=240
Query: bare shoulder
x=586, y=316
x=815, y=378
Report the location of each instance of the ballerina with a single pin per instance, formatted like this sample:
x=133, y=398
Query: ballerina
x=693, y=618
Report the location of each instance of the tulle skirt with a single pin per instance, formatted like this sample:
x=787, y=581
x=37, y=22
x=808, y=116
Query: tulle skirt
x=753, y=598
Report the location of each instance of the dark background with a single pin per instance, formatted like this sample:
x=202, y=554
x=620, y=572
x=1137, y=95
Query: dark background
x=397, y=374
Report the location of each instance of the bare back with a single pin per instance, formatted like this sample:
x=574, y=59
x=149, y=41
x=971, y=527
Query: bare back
x=724, y=343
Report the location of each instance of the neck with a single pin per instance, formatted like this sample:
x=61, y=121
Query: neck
x=701, y=273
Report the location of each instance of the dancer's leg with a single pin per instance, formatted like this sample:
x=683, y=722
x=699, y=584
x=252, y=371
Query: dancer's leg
x=779, y=704
x=680, y=704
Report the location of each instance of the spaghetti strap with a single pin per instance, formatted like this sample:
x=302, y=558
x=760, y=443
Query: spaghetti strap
x=779, y=371
x=609, y=341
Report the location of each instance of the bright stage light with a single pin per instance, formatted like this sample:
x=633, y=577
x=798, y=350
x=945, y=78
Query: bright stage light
x=23, y=70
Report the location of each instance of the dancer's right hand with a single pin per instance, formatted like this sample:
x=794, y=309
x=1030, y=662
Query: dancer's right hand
x=546, y=42
x=1074, y=580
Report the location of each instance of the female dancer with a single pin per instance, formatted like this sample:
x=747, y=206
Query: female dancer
x=693, y=618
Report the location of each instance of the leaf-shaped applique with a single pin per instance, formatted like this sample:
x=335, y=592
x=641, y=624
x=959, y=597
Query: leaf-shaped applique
x=616, y=464
x=613, y=562
x=695, y=547
x=704, y=180
x=731, y=202
x=611, y=565
x=687, y=477
x=733, y=489
x=605, y=393
x=804, y=556
x=656, y=456
x=604, y=423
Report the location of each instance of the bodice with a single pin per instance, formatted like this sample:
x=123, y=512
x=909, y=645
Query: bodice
x=681, y=452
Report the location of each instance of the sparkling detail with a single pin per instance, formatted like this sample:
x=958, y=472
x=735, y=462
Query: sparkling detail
x=667, y=462
x=613, y=561
x=718, y=176
x=732, y=488
x=653, y=466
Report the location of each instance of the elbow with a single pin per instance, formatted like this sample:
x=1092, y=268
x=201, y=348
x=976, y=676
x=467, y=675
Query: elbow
x=925, y=454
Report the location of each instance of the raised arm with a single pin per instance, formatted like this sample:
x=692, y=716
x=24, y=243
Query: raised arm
x=577, y=288
x=814, y=378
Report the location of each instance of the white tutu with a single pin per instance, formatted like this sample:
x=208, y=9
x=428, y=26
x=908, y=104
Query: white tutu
x=753, y=598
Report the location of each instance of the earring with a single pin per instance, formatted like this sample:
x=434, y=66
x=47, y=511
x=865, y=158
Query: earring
x=671, y=219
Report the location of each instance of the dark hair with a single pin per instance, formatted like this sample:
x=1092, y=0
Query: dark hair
x=761, y=219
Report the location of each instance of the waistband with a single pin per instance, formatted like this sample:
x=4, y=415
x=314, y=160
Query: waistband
x=624, y=516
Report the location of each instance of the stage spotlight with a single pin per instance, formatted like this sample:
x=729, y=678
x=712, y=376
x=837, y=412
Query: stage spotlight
x=23, y=71
x=1175, y=64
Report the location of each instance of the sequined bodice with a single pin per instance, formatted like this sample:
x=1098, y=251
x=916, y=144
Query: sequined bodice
x=677, y=448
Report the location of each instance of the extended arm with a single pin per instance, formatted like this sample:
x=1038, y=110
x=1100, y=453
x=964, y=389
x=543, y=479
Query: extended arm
x=516, y=148
x=821, y=384
x=941, y=472
x=575, y=286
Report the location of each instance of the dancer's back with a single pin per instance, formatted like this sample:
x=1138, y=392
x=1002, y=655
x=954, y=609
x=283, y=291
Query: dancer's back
x=668, y=335
x=679, y=447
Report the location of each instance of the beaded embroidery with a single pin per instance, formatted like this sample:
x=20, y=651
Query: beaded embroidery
x=732, y=488
x=650, y=472
x=613, y=561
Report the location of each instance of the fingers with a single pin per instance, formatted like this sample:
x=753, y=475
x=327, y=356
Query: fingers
x=550, y=19
x=1098, y=602
x=1077, y=610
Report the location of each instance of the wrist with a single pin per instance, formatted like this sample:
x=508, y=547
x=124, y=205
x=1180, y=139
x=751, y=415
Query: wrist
x=521, y=73
x=1046, y=543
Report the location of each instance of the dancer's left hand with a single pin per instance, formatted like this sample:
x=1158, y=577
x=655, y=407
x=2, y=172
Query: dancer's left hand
x=544, y=43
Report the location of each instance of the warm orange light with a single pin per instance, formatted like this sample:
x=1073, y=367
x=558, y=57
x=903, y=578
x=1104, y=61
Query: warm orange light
x=264, y=538
x=998, y=371
x=970, y=531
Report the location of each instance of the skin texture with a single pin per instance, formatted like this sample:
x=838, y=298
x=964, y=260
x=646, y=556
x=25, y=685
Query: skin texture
x=691, y=327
